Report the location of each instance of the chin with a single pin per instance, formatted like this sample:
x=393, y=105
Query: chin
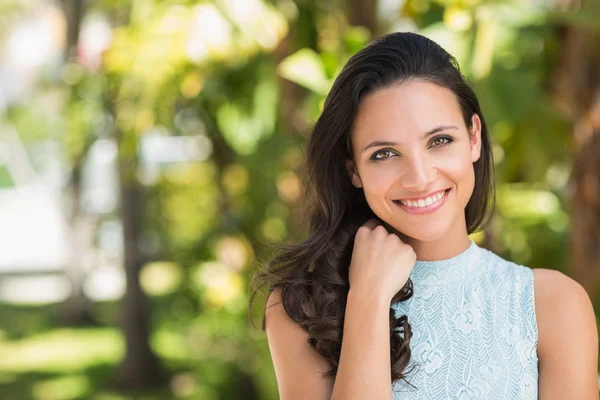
x=427, y=234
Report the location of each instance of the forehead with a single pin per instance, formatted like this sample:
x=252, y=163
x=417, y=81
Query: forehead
x=408, y=109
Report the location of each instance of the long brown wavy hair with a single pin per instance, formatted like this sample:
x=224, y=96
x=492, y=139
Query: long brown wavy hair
x=313, y=274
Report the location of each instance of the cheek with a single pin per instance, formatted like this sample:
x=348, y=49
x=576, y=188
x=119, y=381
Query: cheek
x=455, y=163
x=459, y=170
x=378, y=180
x=462, y=175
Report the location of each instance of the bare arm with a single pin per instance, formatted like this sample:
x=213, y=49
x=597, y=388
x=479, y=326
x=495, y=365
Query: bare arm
x=364, y=371
x=380, y=266
x=298, y=366
x=567, y=338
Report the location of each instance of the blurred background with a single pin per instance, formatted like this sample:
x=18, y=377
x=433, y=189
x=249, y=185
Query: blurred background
x=150, y=150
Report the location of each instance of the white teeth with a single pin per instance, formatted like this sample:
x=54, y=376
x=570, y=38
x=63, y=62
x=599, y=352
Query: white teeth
x=423, y=202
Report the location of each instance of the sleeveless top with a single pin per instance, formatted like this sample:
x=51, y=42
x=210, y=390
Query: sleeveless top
x=474, y=329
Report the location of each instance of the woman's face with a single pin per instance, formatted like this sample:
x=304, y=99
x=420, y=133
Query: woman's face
x=411, y=147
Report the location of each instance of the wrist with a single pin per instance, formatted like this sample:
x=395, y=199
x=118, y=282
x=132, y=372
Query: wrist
x=369, y=295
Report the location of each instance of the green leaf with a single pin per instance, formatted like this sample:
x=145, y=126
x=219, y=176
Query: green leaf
x=356, y=38
x=305, y=68
x=456, y=43
x=527, y=202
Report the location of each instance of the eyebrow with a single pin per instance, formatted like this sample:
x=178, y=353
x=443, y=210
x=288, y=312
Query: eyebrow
x=378, y=143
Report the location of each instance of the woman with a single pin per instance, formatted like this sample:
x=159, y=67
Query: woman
x=400, y=173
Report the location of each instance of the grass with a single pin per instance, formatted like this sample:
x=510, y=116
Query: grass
x=209, y=354
x=40, y=361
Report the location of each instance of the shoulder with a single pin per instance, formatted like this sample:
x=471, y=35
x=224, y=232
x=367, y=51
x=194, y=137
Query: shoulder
x=298, y=367
x=280, y=327
x=275, y=306
x=275, y=310
x=567, y=332
x=556, y=293
x=561, y=299
x=282, y=331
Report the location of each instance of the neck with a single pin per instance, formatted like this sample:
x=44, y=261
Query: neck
x=439, y=249
x=442, y=248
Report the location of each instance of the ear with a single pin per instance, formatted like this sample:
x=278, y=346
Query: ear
x=353, y=174
x=475, y=135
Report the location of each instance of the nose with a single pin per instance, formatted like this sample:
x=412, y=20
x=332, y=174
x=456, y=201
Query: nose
x=418, y=174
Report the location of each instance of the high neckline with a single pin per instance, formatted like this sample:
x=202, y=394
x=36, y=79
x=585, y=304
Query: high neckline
x=441, y=272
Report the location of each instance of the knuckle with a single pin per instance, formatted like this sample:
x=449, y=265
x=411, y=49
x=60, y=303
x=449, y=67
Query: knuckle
x=393, y=238
x=363, y=230
x=380, y=229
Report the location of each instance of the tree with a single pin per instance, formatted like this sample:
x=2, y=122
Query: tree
x=77, y=308
x=577, y=92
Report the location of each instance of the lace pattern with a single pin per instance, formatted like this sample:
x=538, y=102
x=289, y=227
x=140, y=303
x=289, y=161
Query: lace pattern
x=474, y=329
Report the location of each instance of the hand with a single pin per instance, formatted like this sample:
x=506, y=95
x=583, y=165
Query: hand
x=381, y=262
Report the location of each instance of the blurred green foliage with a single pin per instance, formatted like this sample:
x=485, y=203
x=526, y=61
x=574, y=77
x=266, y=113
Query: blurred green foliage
x=250, y=81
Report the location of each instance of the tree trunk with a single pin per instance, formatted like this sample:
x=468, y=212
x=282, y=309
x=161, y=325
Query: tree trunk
x=585, y=216
x=140, y=368
x=363, y=13
x=577, y=90
x=74, y=11
x=77, y=309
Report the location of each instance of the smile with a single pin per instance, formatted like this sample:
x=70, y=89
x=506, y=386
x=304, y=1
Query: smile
x=424, y=206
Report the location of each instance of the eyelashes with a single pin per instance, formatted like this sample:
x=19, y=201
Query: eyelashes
x=448, y=140
x=378, y=155
x=388, y=153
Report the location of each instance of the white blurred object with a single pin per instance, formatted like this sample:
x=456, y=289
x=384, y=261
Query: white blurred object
x=33, y=231
x=100, y=186
x=35, y=289
x=158, y=147
x=105, y=283
x=29, y=44
x=96, y=35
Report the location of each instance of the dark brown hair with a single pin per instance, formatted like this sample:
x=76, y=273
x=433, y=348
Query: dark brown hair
x=313, y=275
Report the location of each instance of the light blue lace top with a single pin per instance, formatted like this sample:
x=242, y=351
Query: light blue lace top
x=474, y=329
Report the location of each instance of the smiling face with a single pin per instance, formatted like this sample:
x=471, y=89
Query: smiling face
x=413, y=157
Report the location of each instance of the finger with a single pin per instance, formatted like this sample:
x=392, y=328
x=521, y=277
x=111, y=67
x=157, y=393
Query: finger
x=371, y=224
x=392, y=231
